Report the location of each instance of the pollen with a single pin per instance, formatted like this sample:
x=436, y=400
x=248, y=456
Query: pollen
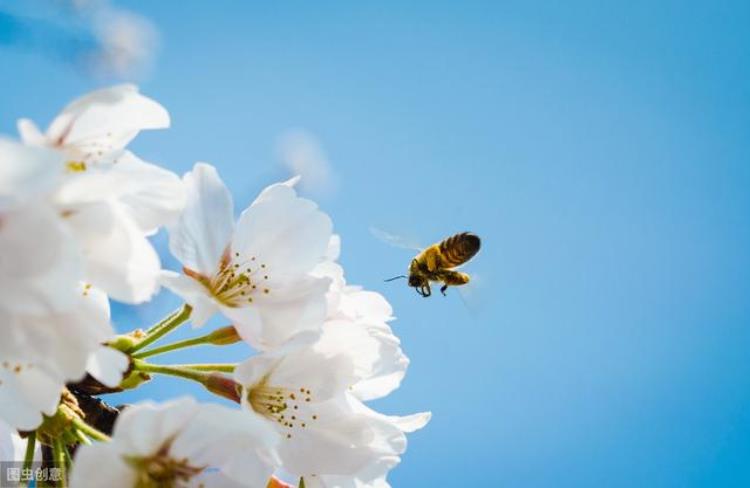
x=235, y=283
x=75, y=166
x=274, y=402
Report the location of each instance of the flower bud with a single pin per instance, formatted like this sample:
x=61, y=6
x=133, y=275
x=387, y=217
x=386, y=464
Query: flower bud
x=126, y=342
x=223, y=386
x=224, y=336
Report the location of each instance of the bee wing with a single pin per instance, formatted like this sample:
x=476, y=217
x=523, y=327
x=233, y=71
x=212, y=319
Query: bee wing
x=394, y=240
x=471, y=295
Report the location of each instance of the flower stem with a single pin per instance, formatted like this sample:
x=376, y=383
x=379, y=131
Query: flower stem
x=172, y=370
x=58, y=451
x=83, y=437
x=159, y=330
x=210, y=379
x=172, y=347
x=220, y=337
x=220, y=367
x=29, y=456
x=90, y=431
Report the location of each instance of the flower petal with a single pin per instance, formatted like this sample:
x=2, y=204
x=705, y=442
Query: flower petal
x=26, y=394
x=38, y=274
x=343, y=443
x=204, y=230
x=150, y=195
x=107, y=365
x=145, y=427
x=108, y=118
x=119, y=258
x=275, y=318
x=26, y=172
x=30, y=133
x=286, y=233
x=89, y=460
x=194, y=294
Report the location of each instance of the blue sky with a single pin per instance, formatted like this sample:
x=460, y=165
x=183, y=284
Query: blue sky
x=600, y=151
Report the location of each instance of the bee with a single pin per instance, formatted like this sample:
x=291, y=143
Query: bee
x=436, y=263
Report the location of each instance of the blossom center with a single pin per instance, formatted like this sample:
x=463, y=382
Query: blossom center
x=160, y=470
x=288, y=407
x=238, y=281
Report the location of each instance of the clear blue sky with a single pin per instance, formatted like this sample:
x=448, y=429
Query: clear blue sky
x=602, y=153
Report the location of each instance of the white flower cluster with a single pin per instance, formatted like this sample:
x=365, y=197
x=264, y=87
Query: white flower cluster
x=76, y=210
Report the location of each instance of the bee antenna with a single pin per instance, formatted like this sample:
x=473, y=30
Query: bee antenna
x=395, y=278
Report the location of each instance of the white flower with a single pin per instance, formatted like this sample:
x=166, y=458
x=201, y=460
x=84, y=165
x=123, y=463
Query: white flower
x=373, y=474
x=39, y=259
x=40, y=353
x=96, y=127
x=118, y=257
x=358, y=319
x=256, y=273
x=107, y=365
x=302, y=393
x=180, y=443
x=26, y=173
x=110, y=198
x=378, y=361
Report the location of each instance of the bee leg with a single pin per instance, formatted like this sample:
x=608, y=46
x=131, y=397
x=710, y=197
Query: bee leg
x=426, y=291
x=418, y=290
x=442, y=290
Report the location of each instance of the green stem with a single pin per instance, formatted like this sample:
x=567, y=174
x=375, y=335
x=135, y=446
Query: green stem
x=29, y=456
x=220, y=367
x=159, y=330
x=68, y=457
x=90, y=431
x=58, y=451
x=172, y=370
x=82, y=437
x=210, y=378
x=174, y=346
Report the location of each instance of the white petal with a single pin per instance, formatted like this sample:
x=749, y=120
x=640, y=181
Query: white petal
x=107, y=365
x=30, y=133
x=110, y=118
x=145, y=427
x=251, y=371
x=343, y=443
x=247, y=322
x=204, y=230
x=324, y=376
x=239, y=445
x=379, y=362
x=285, y=189
x=26, y=172
x=40, y=263
x=357, y=303
x=286, y=233
x=60, y=343
x=410, y=423
x=25, y=395
x=194, y=294
x=275, y=318
x=87, y=470
x=119, y=259
x=154, y=196
x=373, y=475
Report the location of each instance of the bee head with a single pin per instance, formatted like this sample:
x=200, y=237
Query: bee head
x=416, y=280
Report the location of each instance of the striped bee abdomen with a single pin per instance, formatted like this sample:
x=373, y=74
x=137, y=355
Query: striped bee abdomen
x=458, y=249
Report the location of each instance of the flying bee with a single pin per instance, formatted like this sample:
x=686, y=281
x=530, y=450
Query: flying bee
x=436, y=263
